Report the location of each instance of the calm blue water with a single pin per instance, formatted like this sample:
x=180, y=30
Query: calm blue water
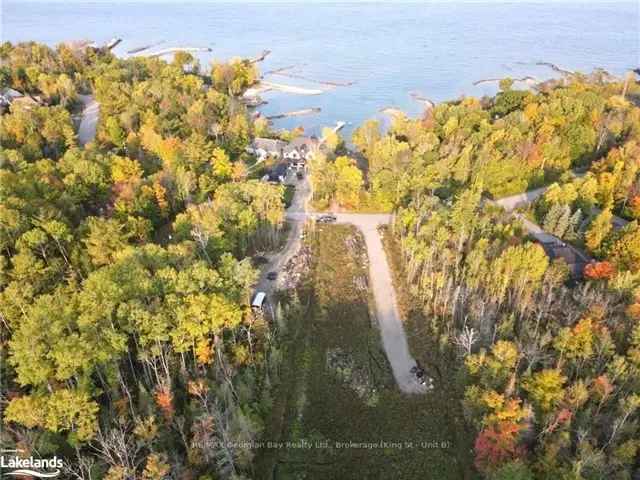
x=438, y=49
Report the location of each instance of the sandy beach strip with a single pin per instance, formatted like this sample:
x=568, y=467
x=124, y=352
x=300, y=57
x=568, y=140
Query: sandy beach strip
x=268, y=86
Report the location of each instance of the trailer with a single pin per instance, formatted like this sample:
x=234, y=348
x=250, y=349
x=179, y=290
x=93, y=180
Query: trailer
x=258, y=300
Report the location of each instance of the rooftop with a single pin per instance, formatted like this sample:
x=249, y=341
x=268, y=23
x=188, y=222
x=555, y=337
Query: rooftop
x=9, y=95
x=268, y=144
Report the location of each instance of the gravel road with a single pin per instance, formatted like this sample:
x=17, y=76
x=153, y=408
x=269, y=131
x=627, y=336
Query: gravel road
x=89, y=120
x=392, y=332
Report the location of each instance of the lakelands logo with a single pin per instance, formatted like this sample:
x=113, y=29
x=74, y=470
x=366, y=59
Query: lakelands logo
x=29, y=467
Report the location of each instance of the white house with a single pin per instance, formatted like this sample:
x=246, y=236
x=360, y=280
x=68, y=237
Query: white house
x=301, y=148
x=8, y=96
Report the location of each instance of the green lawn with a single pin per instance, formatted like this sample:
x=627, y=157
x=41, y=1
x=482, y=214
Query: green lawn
x=337, y=388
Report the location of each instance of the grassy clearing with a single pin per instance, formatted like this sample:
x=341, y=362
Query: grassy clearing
x=338, y=388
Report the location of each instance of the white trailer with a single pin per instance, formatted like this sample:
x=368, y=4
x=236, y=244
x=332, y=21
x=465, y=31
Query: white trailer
x=258, y=301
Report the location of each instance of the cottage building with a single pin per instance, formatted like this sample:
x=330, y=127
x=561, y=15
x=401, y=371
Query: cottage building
x=8, y=96
x=301, y=149
x=266, y=147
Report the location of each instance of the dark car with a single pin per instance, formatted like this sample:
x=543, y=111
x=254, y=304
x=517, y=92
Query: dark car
x=300, y=175
x=329, y=218
x=272, y=275
x=419, y=373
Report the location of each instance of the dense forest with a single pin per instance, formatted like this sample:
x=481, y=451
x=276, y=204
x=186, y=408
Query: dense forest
x=127, y=343
x=549, y=363
x=511, y=143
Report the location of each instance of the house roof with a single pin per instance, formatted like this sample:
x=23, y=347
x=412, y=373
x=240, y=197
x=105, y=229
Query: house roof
x=302, y=144
x=268, y=144
x=280, y=168
x=26, y=101
x=291, y=148
x=308, y=142
x=9, y=95
x=566, y=253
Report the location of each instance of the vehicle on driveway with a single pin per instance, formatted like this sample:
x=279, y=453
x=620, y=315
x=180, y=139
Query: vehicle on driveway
x=300, y=175
x=423, y=380
x=419, y=373
x=272, y=275
x=328, y=218
x=258, y=301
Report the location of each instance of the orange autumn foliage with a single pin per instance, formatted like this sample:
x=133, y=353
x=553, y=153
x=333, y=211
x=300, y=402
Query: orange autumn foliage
x=602, y=387
x=496, y=445
x=633, y=311
x=161, y=195
x=564, y=416
x=599, y=270
x=164, y=400
x=634, y=206
x=204, y=352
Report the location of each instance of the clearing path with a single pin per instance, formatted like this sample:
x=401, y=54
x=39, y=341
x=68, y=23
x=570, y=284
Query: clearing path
x=394, y=339
x=89, y=120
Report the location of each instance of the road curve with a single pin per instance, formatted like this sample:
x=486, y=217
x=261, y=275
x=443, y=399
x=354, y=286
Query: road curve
x=89, y=120
x=525, y=198
x=511, y=203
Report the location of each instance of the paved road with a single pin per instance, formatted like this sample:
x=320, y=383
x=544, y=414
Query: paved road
x=615, y=220
x=546, y=238
x=89, y=120
x=296, y=217
x=522, y=199
x=513, y=202
x=525, y=198
x=539, y=234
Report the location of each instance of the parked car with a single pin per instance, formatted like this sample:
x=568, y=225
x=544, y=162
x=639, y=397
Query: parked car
x=300, y=175
x=328, y=218
x=272, y=275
